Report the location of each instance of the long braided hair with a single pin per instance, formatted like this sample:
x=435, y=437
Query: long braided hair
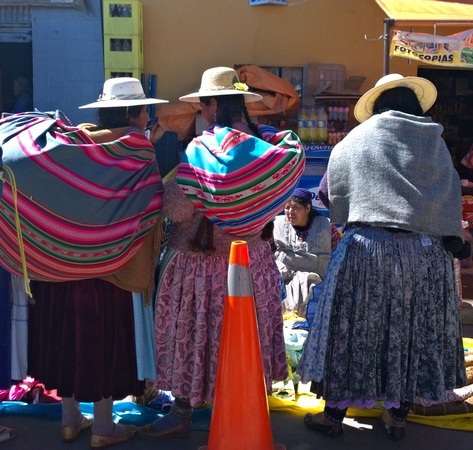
x=230, y=107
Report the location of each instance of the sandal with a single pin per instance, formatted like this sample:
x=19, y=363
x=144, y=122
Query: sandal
x=182, y=429
x=332, y=430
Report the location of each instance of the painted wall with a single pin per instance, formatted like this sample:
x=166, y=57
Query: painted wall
x=182, y=38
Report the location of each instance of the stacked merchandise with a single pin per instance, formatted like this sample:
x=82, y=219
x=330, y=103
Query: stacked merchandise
x=123, y=38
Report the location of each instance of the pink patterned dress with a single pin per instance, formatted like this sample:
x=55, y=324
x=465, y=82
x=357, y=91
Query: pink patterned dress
x=190, y=300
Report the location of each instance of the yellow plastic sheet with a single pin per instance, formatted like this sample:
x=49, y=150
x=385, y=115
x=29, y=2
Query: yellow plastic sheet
x=307, y=402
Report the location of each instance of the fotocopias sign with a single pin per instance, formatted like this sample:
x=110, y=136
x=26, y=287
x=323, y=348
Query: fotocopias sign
x=455, y=50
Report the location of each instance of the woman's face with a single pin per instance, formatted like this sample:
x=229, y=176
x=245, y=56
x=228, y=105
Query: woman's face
x=142, y=120
x=297, y=214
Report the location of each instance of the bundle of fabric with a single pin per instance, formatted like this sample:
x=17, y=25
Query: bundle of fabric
x=72, y=208
x=238, y=181
x=279, y=95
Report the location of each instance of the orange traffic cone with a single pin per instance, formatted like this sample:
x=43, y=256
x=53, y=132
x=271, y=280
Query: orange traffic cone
x=240, y=416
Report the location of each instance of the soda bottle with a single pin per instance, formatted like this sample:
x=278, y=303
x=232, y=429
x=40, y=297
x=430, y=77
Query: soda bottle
x=312, y=125
x=322, y=125
x=302, y=124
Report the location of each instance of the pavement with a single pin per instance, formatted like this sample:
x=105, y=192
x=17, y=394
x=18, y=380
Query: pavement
x=288, y=429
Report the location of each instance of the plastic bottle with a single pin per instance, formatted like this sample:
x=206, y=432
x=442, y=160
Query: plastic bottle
x=302, y=124
x=322, y=125
x=346, y=114
x=312, y=125
x=330, y=112
x=336, y=111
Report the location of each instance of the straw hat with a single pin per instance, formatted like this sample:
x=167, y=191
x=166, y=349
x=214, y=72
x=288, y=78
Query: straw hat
x=122, y=91
x=220, y=81
x=425, y=91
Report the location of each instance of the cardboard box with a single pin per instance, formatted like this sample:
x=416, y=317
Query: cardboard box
x=329, y=79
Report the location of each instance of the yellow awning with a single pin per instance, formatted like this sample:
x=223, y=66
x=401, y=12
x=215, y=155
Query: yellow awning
x=428, y=11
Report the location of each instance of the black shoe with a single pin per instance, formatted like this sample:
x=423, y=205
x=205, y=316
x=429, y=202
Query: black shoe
x=334, y=430
x=396, y=430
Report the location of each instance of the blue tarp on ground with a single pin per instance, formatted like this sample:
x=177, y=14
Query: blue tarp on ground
x=123, y=412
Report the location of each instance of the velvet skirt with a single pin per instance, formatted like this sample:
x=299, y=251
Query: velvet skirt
x=81, y=340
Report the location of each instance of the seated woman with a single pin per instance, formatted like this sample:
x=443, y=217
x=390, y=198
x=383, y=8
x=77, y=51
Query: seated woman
x=302, y=237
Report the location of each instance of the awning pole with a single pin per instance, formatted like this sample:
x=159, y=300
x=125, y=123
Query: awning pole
x=388, y=23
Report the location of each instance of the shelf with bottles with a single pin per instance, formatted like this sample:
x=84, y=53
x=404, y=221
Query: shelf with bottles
x=328, y=120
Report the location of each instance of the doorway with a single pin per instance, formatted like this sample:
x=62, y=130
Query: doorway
x=453, y=109
x=16, y=59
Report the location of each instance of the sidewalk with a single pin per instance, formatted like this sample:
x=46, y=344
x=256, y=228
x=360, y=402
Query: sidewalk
x=288, y=429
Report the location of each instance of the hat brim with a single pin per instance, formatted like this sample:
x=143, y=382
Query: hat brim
x=195, y=97
x=123, y=103
x=424, y=89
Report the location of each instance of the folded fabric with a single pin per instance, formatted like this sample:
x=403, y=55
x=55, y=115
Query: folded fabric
x=279, y=95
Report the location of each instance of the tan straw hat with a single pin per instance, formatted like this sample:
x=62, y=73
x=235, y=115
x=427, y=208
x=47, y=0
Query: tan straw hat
x=220, y=81
x=425, y=91
x=122, y=91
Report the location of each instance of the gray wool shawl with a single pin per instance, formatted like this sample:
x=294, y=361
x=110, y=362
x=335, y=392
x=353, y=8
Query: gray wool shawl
x=395, y=170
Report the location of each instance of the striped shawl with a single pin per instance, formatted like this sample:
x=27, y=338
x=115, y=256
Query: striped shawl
x=238, y=181
x=83, y=208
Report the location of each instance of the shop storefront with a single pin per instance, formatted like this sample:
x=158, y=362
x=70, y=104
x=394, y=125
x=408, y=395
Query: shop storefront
x=444, y=60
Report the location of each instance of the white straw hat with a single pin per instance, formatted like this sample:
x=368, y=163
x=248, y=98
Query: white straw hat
x=220, y=81
x=122, y=91
x=424, y=89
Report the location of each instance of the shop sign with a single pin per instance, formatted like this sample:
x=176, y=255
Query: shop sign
x=455, y=50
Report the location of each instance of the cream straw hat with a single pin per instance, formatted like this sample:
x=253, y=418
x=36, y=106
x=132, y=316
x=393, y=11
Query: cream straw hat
x=122, y=91
x=424, y=89
x=220, y=81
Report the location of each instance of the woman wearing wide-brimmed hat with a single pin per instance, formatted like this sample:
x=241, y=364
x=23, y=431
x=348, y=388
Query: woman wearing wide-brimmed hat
x=387, y=325
x=82, y=332
x=232, y=181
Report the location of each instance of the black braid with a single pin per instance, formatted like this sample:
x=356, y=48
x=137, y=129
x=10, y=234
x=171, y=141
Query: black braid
x=231, y=106
x=252, y=125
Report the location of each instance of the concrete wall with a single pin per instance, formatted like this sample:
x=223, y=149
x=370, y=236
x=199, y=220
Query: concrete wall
x=67, y=59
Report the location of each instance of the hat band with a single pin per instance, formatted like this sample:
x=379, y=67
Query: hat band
x=218, y=88
x=103, y=97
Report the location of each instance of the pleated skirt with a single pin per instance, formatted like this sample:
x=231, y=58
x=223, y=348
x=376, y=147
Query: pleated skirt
x=188, y=320
x=387, y=325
